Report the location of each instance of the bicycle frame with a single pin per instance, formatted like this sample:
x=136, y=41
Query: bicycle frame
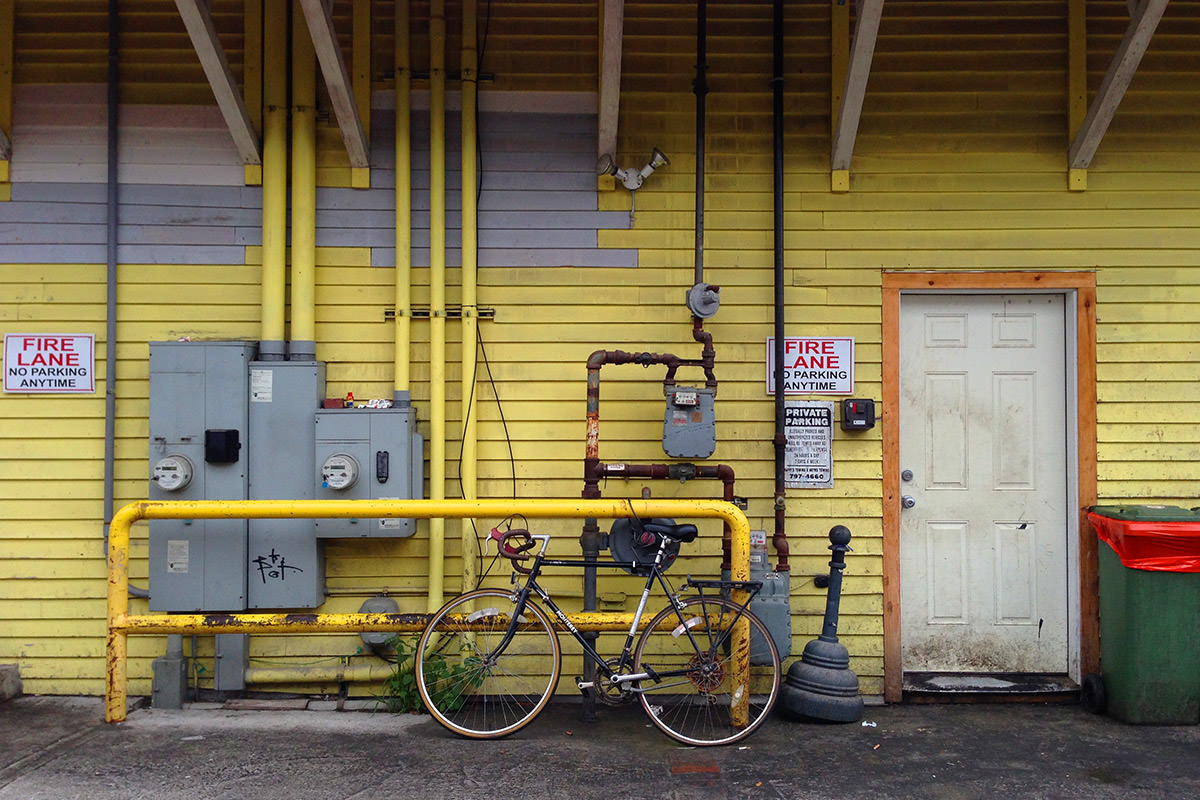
x=611, y=674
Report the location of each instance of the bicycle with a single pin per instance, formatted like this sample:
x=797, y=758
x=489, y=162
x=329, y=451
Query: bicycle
x=705, y=669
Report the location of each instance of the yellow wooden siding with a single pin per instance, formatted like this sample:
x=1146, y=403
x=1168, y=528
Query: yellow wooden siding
x=960, y=164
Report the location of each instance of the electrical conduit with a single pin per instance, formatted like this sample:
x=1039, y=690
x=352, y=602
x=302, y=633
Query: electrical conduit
x=437, y=295
x=467, y=464
x=403, y=318
x=274, y=190
x=302, y=346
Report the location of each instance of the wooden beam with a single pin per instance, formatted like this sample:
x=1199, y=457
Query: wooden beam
x=199, y=24
x=1142, y=24
x=866, y=28
x=612, y=25
x=337, y=81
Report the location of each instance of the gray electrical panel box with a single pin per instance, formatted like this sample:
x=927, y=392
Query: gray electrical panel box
x=771, y=604
x=368, y=454
x=198, y=422
x=285, y=563
x=689, y=426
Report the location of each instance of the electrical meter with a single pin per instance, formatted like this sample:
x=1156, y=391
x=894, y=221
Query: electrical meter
x=172, y=473
x=339, y=472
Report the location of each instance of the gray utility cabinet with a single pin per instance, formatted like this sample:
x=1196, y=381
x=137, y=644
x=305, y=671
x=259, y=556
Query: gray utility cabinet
x=286, y=563
x=367, y=454
x=198, y=424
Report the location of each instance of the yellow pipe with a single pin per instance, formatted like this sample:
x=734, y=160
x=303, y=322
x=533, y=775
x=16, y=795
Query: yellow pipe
x=304, y=190
x=329, y=674
x=403, y=318
x=274, y=191
x=121, y=623
x=437, y=296
x=467, y=464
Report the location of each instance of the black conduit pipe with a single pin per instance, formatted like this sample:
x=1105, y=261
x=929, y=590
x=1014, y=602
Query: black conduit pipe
x=780, y=538
x=700, y=88
x=110, y=318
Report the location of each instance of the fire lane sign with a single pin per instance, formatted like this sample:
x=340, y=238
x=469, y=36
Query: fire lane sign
x=813, y=365
x=49, y=363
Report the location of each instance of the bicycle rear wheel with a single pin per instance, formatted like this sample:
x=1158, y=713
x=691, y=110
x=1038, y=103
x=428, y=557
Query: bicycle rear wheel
x=695, y=694
x=473, y=683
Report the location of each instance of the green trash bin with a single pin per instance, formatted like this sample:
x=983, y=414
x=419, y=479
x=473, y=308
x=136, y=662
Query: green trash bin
x=1149, y=613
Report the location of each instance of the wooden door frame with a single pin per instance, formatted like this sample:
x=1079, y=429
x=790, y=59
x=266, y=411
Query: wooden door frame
x=1083, y=286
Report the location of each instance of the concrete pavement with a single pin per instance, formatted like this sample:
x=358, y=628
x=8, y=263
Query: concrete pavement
x=58, y=748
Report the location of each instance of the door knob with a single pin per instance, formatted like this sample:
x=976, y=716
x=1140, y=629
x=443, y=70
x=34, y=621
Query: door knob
x=908, y=501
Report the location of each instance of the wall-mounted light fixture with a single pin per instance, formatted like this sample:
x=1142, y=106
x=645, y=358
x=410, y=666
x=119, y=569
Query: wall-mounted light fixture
x=632, y=179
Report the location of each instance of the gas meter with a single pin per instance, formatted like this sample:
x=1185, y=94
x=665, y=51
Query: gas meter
x=689, y=425
x=339, y=472
x=172, y=473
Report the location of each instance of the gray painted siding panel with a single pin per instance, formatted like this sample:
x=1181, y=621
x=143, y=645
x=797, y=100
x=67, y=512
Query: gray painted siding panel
x=537, y=199
x=386, y=257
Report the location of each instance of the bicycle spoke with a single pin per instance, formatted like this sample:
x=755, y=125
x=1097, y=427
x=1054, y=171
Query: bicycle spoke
x=472, y=680
x=723, y=696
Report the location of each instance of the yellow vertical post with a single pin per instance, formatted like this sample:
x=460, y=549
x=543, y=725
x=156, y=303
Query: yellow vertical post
x=403, y=318
x=437, y=295
x=360, y=177
x=304, y=190
x=470, y=319
x=252, y=76
x=1076, y=81
x=840, y=50
x=116, y=669
x=274, y=191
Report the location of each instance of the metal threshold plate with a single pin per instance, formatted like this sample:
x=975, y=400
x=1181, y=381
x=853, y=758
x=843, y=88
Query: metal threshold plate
x=981, y=685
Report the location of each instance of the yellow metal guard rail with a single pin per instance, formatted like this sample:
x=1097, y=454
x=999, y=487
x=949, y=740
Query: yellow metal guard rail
x=121, y=623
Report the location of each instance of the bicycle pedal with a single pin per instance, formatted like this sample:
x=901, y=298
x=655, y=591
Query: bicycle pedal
x=584, y=686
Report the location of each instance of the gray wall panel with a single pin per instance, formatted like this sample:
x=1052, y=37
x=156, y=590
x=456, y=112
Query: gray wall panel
x=538, y=205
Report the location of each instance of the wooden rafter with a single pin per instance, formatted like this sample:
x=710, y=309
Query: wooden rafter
x=199, y=24
x=337, y=80
x=866, y=29
x=1142, y=23
x=611, y=32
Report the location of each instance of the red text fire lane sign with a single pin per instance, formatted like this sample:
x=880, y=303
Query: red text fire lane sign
x=822, y=365
x=49, y=363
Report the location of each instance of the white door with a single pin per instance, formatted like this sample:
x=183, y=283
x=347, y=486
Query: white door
x=983, y=447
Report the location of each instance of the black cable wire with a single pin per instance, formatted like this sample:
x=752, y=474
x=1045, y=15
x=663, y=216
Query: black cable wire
x=481, y=47
x=512, y=460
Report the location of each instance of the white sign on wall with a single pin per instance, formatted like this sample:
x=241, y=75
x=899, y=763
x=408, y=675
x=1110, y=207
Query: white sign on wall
x=808, y=453
x=49, y=363
x=813, y=365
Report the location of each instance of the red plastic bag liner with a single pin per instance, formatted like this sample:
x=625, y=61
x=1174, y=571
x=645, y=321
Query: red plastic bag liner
x=1155, y=545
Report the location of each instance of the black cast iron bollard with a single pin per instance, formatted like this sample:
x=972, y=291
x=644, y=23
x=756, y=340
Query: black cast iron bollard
x=821, y=685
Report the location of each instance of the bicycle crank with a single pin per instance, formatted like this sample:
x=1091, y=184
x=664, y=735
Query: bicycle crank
x=610, y=692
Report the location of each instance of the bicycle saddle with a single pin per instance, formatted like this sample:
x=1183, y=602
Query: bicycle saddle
x=676, y=533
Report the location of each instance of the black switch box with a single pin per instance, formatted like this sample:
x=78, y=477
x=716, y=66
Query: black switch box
x=221, y=445
x=858, y=414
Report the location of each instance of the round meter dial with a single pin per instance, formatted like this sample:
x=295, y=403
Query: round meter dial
x=339, y=472
x=172, y=473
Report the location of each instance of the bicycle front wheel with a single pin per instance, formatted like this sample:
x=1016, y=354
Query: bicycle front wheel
x=704, y=689
x=475, y=680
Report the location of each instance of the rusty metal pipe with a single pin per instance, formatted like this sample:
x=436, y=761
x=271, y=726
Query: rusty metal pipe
x=721, y=472
x=591, y=459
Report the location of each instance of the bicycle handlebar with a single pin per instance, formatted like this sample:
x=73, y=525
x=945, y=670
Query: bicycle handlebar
x=515, y=545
